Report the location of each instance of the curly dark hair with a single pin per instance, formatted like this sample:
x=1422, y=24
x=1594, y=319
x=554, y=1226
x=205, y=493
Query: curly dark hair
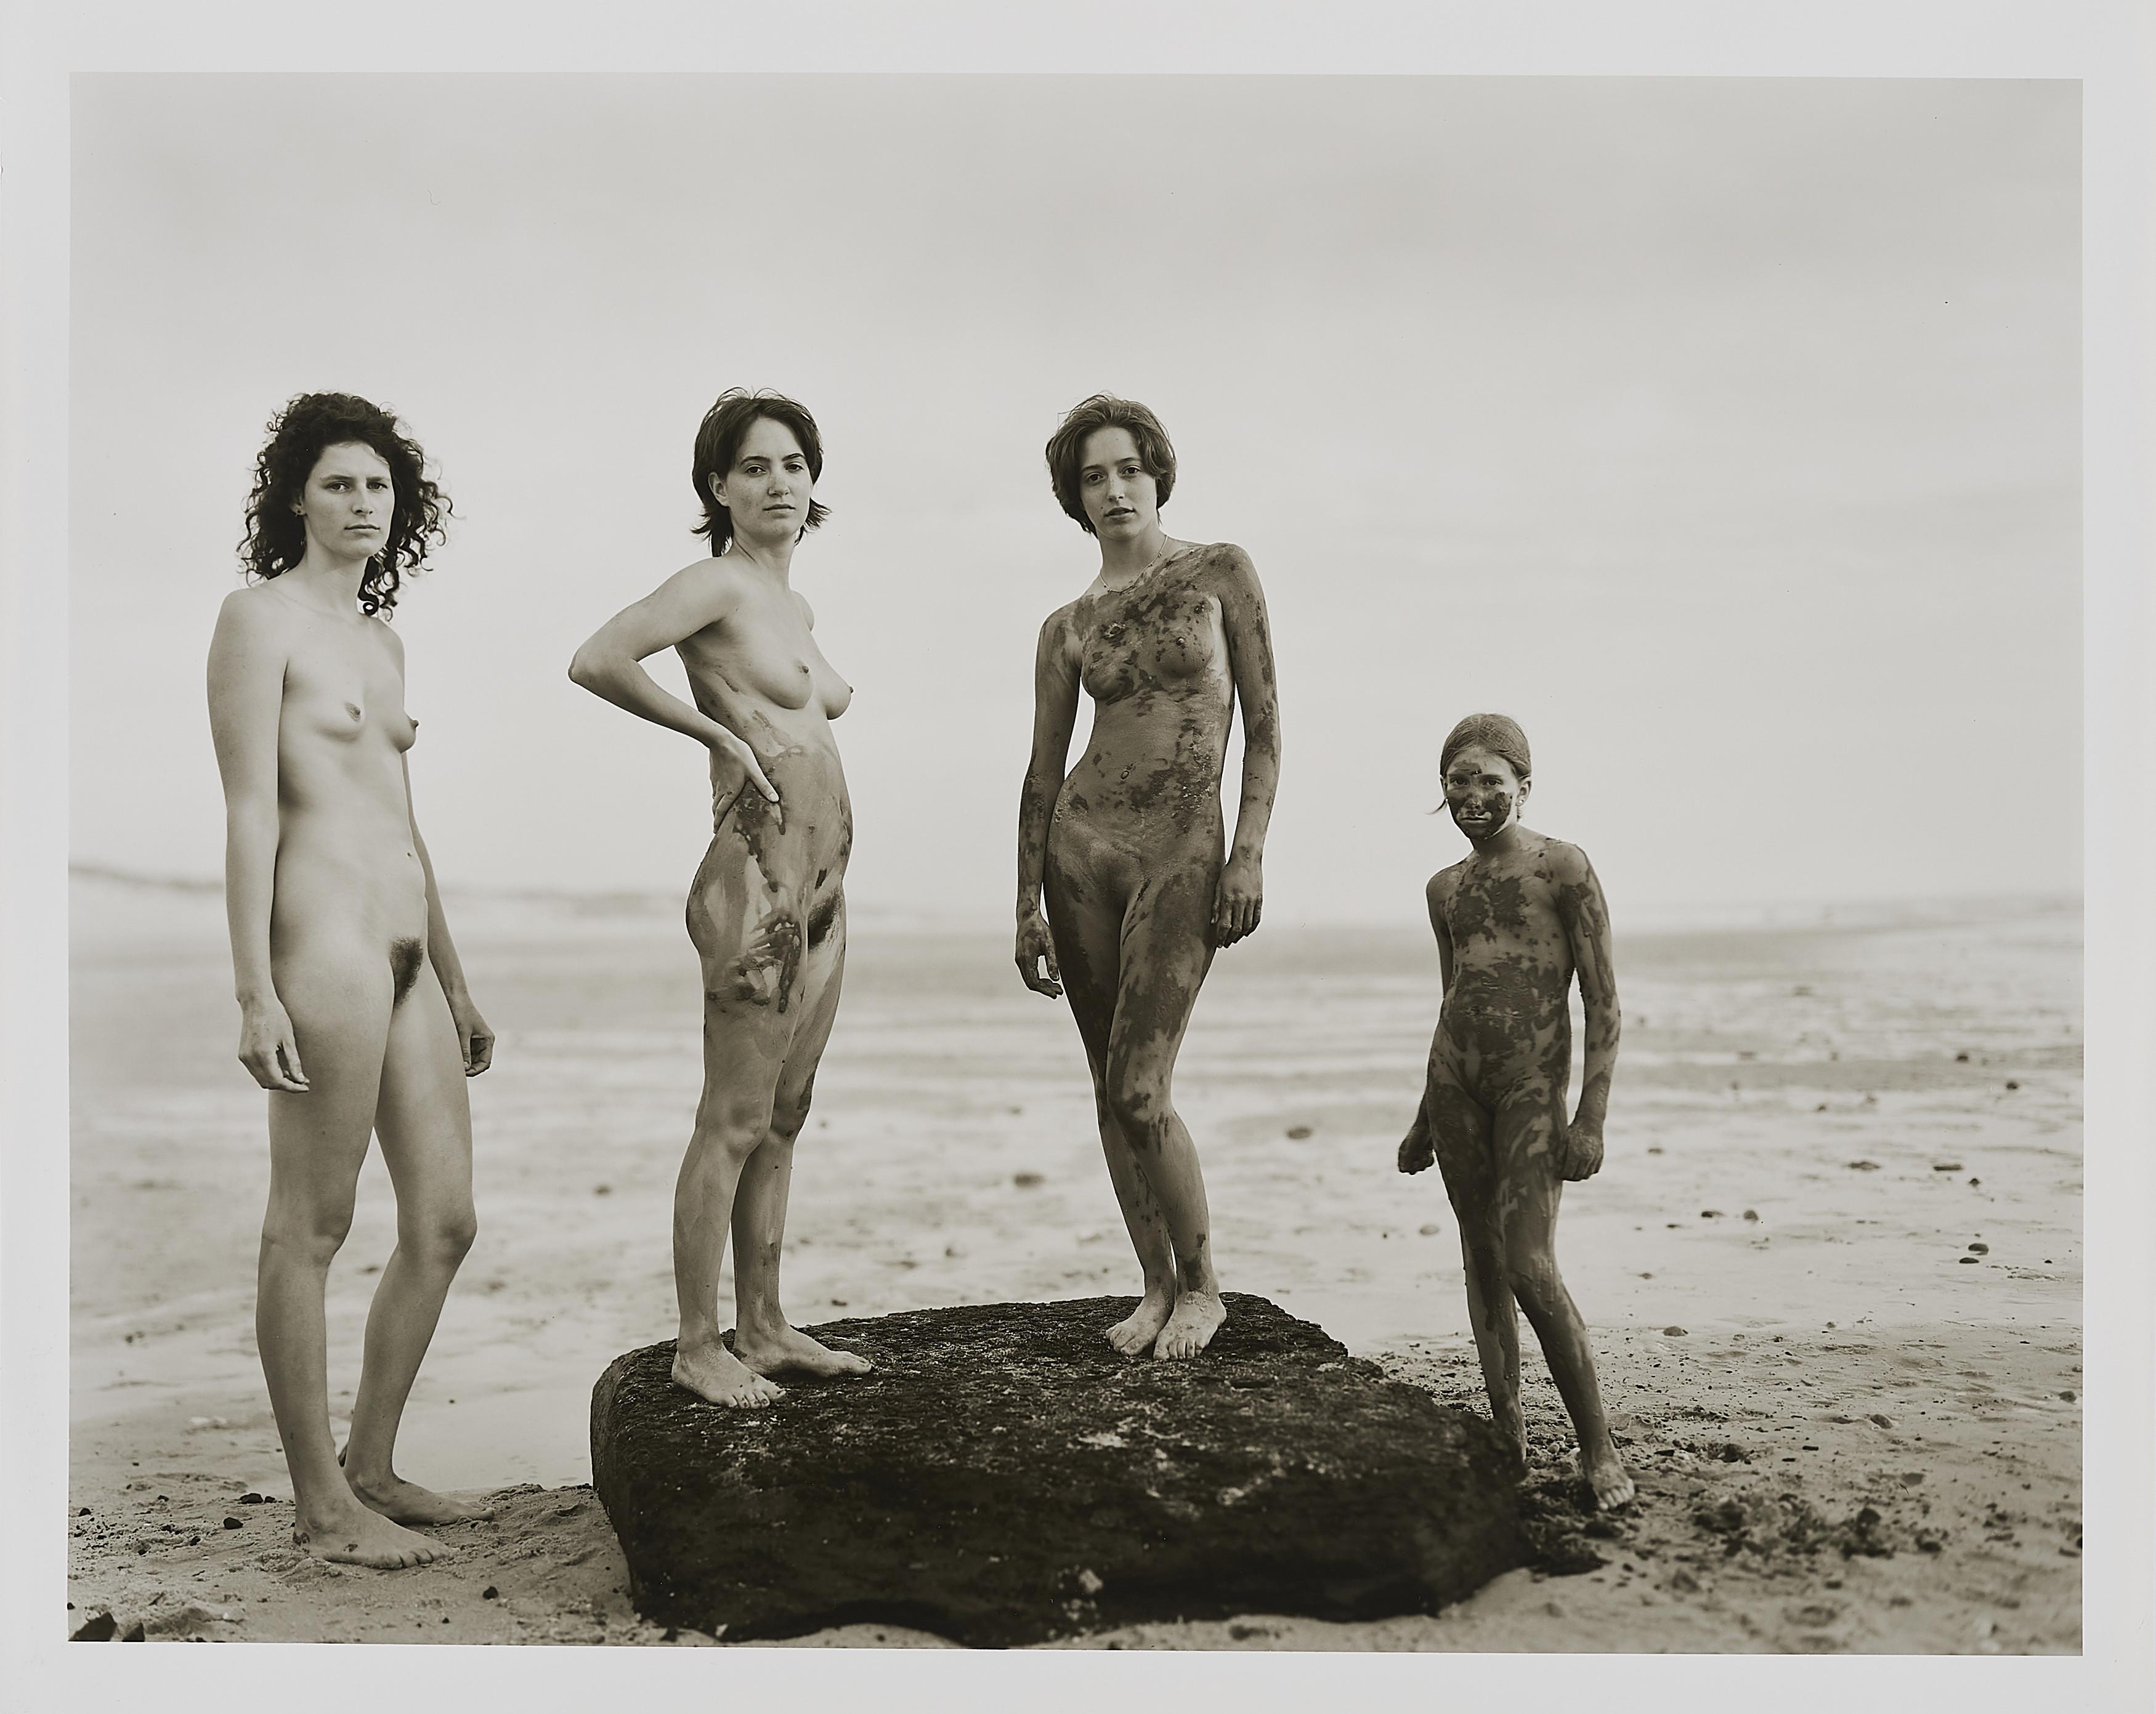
x=1104, y=410
x=276, y=538
x=719, y=436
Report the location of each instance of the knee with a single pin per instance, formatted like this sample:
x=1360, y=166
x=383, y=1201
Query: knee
x=730, y=1128
x=1530, y=1271
x=444, y=1238
x=307, y=1238
x=789, y=1114
x=1138, y=1107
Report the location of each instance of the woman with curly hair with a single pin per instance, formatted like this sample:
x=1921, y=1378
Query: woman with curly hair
x=1128, y=851
x=768, y=908
x=354, y=1014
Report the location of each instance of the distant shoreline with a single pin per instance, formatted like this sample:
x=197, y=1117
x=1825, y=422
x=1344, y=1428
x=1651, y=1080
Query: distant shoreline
x=1716, y=917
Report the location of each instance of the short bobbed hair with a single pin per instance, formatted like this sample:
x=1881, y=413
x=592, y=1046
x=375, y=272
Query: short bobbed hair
x=1066, y=449
x=719, y=438
x=276, y=536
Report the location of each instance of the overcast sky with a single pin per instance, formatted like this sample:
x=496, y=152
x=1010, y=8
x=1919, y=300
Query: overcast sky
x=1726, y=433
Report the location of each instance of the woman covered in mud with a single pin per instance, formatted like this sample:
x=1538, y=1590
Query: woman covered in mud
x=353, y=1009
x=767, y=909
x=1127, y=853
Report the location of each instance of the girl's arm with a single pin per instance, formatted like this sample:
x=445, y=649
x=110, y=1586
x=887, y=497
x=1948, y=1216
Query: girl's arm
x=247, y=657
x=1586, y=918
x=1240, y=898
x=610, y=663
x=1418, y=1148
x=474, y=1040
x=1054, y=712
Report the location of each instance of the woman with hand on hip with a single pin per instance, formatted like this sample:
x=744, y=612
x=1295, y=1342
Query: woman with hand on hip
x=767, y=911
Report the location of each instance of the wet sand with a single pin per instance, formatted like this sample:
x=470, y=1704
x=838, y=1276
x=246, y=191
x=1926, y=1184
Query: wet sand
x=1833, y=1263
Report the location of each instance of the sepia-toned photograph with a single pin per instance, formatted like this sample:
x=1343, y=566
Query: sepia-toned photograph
x=1134, y=861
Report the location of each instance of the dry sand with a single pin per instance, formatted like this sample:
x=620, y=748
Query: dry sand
x=1833, y=1263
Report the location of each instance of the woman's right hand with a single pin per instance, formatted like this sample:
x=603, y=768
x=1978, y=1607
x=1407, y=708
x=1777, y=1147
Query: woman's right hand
x=269, y=1049
x=1036, y=945
x=734, y=766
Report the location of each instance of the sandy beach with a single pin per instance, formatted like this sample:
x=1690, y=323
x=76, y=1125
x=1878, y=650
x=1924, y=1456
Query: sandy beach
x=1833, y=1264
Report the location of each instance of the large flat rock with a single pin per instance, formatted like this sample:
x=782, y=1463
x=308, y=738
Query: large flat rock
x=1004, y=1477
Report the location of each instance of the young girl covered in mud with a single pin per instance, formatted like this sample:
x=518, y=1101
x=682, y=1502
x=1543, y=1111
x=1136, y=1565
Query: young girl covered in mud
x=1515, y=919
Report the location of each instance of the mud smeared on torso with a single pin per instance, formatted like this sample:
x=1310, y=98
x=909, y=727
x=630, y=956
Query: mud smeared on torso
x=1153, y=656
x=772, y=886
x=1505, y=1017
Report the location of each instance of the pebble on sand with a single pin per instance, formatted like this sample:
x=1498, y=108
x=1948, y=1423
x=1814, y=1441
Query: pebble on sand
x=2012, y=1084
x=1864, y=1165
x=1979, y=1249
x=1028, y=1181
x=1710, y=1213
x=1431, y=1229
x=1295, y=1133
x=233, y=1523
x=1752, y=1215
x=1674, y=1332
x=1946, y=1166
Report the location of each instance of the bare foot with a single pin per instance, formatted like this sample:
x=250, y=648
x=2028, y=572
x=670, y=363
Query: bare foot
x=357, y=1537
x=1609, y=1482
x=1138, y=1330
x=787, y=1350
x=1197, y=1317
x=407, y=1502
x=717, y=1377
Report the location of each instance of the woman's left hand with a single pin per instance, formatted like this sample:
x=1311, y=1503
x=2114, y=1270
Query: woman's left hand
x=474, y=1040
x=1237, y=903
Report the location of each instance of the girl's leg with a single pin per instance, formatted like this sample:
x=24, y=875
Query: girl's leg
x=337, y=995
x=422, y=1117
x=1460, y=1134
x=764, y=1340
x=1167, y=949
x=1085, y=914
x=1530, y=1180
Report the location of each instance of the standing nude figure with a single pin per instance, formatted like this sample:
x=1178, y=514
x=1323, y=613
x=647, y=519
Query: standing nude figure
x=767, y=911
x=1127, y=851
x=1516, y=920
x=353, y=1009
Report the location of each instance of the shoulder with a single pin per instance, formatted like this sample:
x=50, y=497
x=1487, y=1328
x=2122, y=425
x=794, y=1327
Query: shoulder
x=711, y=587
x=1223, y=560
x=808, y=612
x=1567, y=863
x=252, y=620
x=252, y=607
x=385, y=635
x=1443, y=885
x=1058, y=628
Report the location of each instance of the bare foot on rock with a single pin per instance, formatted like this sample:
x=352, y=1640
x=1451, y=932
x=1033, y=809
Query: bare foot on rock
x=1608, y=1480
x=1197, y=1317
x=787, y=1351
x=717, y=1377
x=359, y=1537
x=407, y=1502
x=1138, y=1331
